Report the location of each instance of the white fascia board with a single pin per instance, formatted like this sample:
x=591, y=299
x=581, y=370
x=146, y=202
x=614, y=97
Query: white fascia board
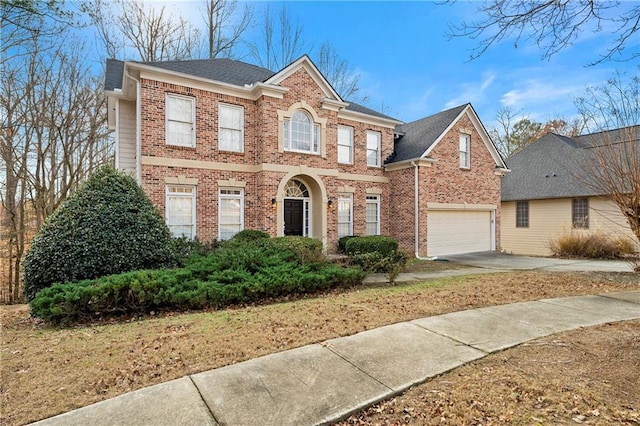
x=304, y=62
x=368, y=119
x=405, y=164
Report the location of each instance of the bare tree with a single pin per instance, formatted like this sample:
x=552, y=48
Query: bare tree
x=553, y=25
x=132, y=29
x=224, y=26
x=280, y=41
x=344, y=79
x=611, y=156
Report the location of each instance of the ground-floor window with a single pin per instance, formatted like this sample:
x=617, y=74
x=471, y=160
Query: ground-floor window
x=181, y=210
x=522, y=214
x=373, y=215
x=345, y=215
x=230, y=212
x=580, y=212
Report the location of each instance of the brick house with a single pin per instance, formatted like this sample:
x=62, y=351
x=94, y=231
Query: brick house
x=220, y=146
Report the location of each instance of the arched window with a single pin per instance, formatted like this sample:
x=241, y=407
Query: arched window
x=296, y=189
x=301, y=133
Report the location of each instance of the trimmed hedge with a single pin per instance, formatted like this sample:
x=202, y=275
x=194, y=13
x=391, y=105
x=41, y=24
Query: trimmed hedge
x=342, y=243
x=230, y=275
x=371, y=244
x=107, y=226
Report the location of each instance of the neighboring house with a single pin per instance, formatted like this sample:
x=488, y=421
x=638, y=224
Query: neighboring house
x=220, y=146
x=546, y=195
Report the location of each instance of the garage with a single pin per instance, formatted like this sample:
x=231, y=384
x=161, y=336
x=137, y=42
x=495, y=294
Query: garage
x=458, y=231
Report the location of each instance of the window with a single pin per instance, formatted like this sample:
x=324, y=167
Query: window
x=301, y=134
x=465, y=148
x=345, y=144
x=373, y=215
x=373, y=149
x=181, y=210
x=180, y=120
x=345, y=215
x=580, y=212
x=230, y=213
x=230, y=128
x=522, y=214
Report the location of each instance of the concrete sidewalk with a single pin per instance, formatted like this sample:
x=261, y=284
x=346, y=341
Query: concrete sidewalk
x=321, y=383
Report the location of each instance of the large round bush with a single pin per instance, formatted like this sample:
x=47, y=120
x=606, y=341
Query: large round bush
x=107, y=226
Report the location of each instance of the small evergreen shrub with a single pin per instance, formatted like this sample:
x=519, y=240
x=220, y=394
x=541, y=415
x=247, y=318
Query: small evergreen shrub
x=305, y=250
x=371, y=244
x=107, y=226
x=342, y=243
x=248, y=235
x=592, y=245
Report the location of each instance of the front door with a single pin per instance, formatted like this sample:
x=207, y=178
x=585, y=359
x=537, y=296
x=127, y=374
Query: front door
x=293, y=217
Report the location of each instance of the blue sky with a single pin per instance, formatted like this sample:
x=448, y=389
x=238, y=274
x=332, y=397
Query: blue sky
x=407, y=64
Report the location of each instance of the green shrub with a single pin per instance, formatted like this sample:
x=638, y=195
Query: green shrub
x=371, y=244
x=107, y=226
x=184, y=247
x=305, y=250
x=593, y=245
x=342, y=243
x=225, y=277
x=248, y=235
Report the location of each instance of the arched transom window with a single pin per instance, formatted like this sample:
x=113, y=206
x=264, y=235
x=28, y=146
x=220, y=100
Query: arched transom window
x=296, y=189
x=301, y=133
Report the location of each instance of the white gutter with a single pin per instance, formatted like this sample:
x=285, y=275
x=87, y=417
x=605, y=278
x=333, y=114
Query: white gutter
x=138, y=128
x=416, y=207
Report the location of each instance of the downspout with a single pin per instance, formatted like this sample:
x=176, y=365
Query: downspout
x=138, y=129
x=416, y=215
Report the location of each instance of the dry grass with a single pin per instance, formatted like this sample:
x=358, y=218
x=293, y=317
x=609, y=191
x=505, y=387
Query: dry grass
x=47, y=371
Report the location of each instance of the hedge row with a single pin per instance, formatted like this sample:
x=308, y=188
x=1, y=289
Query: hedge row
x=233, y=274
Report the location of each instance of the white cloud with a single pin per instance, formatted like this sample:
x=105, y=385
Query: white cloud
x=472, y=92
x=536, y=91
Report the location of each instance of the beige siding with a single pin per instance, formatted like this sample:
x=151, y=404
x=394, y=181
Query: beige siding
x=550, y=218
x=126, y=137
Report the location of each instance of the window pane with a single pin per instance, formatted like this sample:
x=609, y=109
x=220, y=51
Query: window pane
x=580, y=213
x=230, y=140
x=345, y=143
x=300, y=132
x=522, y=214
x=179, y=133
x=179, y=109
x=373, y=148
x=230, y=117
x=372, y=215
x=180, y=209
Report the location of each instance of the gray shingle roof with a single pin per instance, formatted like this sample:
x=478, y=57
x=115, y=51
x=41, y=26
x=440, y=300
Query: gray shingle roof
x=419, y=135
x=547, y=168
x=224, y=70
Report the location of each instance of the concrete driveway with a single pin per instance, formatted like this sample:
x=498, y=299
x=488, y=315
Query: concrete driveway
x=497, y=260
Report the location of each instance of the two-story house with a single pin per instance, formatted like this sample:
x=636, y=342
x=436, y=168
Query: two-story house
x=221, y=145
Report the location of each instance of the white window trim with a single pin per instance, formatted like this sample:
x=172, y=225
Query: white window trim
x=169, y=194
x=378, y=151
x=222, y=196
x=316, y=134
x=373, y=199
x=241, y=109
x=466, y=151
x=345, y=198
x=193, y=119
x=350, y=145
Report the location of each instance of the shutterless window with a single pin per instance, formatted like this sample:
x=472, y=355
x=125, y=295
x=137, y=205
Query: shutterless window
x=230, y=128
x=522, y=214
x=345, y=144
x=373, y=215
x=180, y=120
x=373, y=148
x=465, y=148
x=580, y=212
x=181, y=210
x=301, y=134
x=230, y=213
x=345, y=215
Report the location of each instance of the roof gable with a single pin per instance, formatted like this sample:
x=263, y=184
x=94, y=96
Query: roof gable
x=420, y=137
x=304, y=62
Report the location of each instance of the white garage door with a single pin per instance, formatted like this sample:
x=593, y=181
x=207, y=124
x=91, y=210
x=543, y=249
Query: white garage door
x=458, y=231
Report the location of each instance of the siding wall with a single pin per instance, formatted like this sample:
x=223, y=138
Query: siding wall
x=550, y=218
x=127, y=136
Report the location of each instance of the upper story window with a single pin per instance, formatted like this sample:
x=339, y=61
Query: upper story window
x=580, y=212
x=345, y=144
x=301, y=134
x=180, y=117
x=373, y=149
x=522, y=214
x=230, y=128
x=465, y=151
